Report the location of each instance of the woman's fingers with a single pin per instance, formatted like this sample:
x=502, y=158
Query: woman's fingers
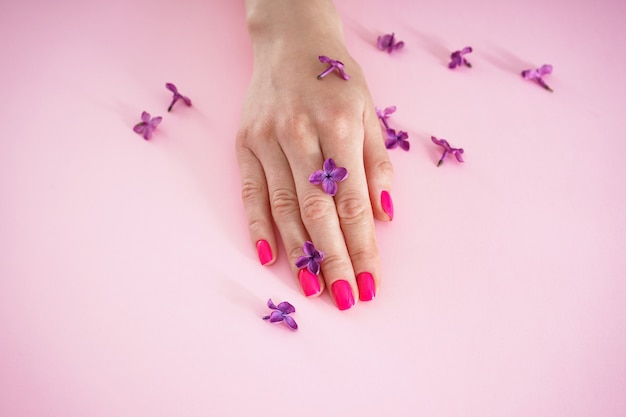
x=378, y=168
x=344, y=143
x=254, y=193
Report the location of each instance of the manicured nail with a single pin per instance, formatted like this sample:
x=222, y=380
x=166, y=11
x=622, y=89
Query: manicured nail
x=385, y=201
x=264, y=251
x=309, y=282
x=367, y=288
x=343, y=294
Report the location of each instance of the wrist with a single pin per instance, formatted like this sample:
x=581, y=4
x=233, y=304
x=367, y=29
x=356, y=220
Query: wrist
x=275, y=25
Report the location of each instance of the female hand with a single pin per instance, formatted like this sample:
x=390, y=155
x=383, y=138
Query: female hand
x=291, y=123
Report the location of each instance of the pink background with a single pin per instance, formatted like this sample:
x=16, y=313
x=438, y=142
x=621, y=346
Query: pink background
x=129, y=287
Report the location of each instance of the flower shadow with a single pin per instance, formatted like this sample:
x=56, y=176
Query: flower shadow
x=366, y=34
x=434, y=45
x=505, y=60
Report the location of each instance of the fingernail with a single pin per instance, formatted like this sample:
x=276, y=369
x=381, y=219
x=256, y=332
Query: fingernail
x=343, y=294
x=309, y=282
x=264, y=251
x=367, y=288
x=385, y=201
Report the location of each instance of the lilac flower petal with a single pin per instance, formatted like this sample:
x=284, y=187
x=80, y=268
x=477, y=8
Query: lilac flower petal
x=329, y=186
x=339, y=174
x=441, y=142
x=389, y=110
x=399, y=45
x=291, y=322
x=302, y=261
x=545, y=69
x=145, y=117
x=452, y=64
x=155, y=122
x=187, y=100
x=286, y=308
x=391, y=143
x=276, y=316
x=458, y=155
x=171, y=87
x=314, y=266
x=329, y=165
x=139, y=127
x=309, y=248
x=317, y=177
x=383, y=41
x=271, y=304
x=466, y=50
x=404, y=145
x=324, y=59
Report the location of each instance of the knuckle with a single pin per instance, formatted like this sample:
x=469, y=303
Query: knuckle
x=341, y=120
x=385, y=168
x=252, y=191
x=284, y=203
x=296, y=126
x=294, y=253
x=316, y=207
x=352, y=210
x=334, y=262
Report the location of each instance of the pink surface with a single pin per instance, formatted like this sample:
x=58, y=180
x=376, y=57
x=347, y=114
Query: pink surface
x=129, y=286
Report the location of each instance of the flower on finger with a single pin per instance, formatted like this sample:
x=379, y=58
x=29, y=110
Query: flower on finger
x=177, y=96
x=281, y=313
x=457, y=58
x=147, y=125
x=384, y=114
x=329, y=176
x=447, y=150
x=312, y=258
x=397, y=139
x=537, y=74
x=333, y=65
x=388, y=43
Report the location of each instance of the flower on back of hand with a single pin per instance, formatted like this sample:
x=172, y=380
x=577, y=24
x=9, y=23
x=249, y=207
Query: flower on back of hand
x=329, y=176
x=312, y=258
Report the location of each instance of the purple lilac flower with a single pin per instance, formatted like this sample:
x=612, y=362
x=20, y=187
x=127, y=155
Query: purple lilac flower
x=383, y=115
x=281, y=313
x=329, y=176
x=457, y=58
x=397, y=139
x=334, y=65
x=177, y=96
x=447, y=150
x=312, y=258
x=147, y=125
x=536, y=74
x=388, y=43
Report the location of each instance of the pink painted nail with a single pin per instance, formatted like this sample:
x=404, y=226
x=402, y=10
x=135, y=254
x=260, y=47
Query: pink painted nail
x=309, y=282
x=264, y=251
x=343, y=294
x=387, y=203
x=367, y=288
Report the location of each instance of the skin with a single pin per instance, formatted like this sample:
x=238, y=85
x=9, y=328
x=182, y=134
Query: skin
x=291, y=122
